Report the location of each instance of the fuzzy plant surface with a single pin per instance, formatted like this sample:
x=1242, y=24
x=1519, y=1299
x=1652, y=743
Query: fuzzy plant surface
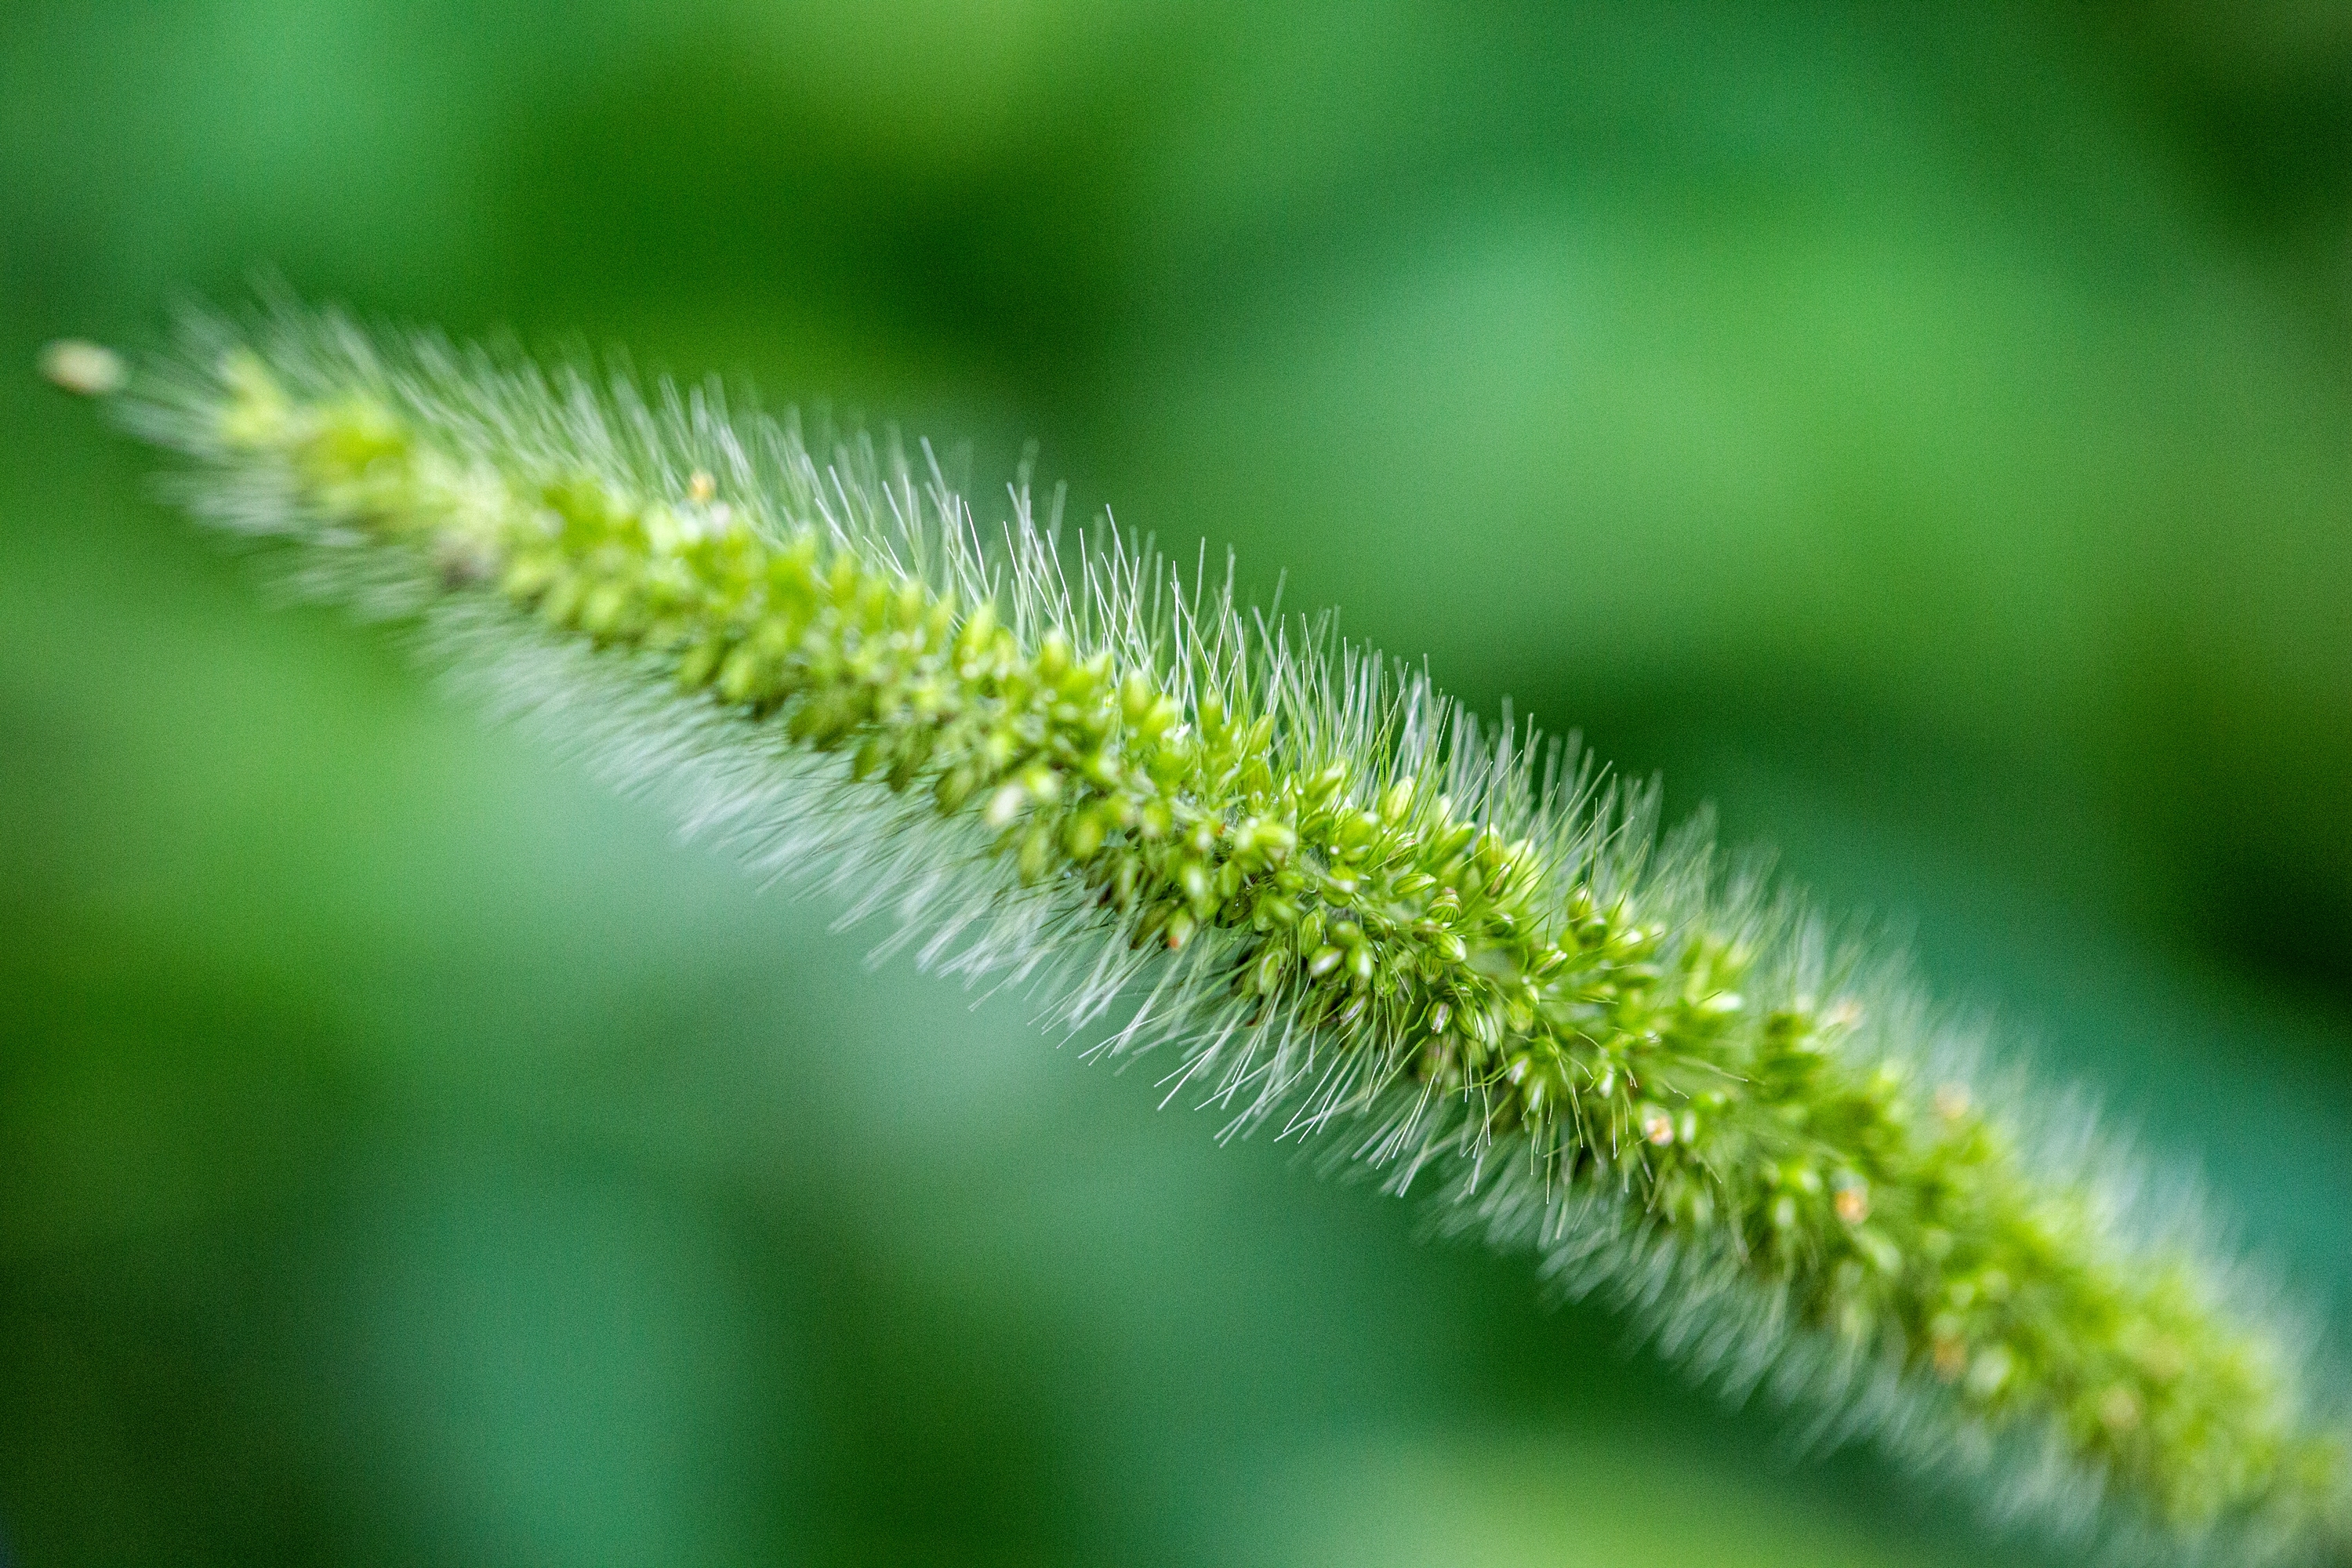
x=1337, y=904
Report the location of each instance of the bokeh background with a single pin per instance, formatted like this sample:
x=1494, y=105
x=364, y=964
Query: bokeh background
x=1923, y=431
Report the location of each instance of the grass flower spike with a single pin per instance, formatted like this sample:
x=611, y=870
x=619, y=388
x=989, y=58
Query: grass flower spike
x=1333, y=900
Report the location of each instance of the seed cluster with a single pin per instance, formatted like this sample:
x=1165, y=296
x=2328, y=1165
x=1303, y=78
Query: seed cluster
x=1359, y=902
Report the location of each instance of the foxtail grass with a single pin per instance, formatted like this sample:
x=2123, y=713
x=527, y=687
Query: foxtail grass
x=1459, y=958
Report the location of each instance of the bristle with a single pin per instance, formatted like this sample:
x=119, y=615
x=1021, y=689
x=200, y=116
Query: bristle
x=1335, y=904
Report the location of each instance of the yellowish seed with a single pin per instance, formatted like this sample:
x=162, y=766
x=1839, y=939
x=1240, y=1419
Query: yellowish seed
x=84, y=369
x=1004, y=805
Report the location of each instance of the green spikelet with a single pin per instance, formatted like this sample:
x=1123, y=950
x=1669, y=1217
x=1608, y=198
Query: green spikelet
x=1333, y=899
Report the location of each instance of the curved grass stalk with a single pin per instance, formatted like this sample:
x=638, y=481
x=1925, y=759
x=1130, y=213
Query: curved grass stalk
x=1335, y=899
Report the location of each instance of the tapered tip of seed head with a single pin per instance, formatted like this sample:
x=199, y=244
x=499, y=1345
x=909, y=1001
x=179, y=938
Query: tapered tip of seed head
x=83, y=368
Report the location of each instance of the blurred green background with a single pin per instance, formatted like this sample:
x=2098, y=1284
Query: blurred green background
x=1925, y=431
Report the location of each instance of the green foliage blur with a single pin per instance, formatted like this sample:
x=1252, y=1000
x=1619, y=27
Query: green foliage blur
x=1925, y=432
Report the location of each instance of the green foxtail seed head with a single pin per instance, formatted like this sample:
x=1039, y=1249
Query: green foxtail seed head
x=1334, y=899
